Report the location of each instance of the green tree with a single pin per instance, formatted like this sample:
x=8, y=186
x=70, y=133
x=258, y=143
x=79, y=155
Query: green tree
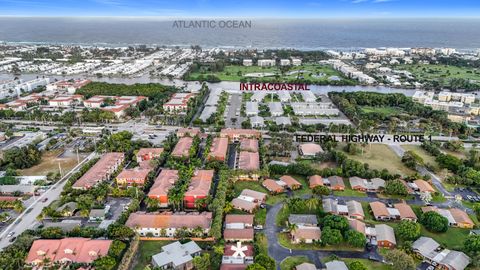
x=357, y=265
x=116, y=249
x=104, y=263
x=52, y=233
x=336, y=222
x=119, y=231
x=255, y=266
x=472, y=244
x=408, y=230
x=355, y=239
x=202, y=262
x=400, y=260
x=321, y=190
x=265, y=261
x=434, y=222
x=395, y=187
x=331, y=236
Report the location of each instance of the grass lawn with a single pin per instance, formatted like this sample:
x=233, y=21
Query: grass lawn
x=289, y=263
x=262, y=242
x=50, y=163
x=261, y=216
x=452, y=239
x=461, y=154
x=380, y=156
x=145, y=252
x=386, y=111
x=445, y=72
x=312, y=72
x=371, y=265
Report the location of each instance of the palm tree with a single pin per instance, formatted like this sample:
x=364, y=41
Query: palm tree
x=292, y=227
x=311, y=203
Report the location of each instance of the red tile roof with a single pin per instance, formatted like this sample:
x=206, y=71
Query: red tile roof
x=272, y=186
x=102, y=169
x=148, y=153
x=163, y=183
x=249, y=161
x=245, y=219
x=167, y=220
x=249, y=145
x=315, y=180
x=290, y=181
x=80, y=250
x=200, y=183
x=239, y=133
x=238, y=234
x=218, y=150
x=182, y=149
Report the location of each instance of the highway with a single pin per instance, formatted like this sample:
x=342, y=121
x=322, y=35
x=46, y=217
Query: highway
x=27, y=219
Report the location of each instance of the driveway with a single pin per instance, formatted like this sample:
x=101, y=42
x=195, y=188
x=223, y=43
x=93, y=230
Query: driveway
x=279, y=253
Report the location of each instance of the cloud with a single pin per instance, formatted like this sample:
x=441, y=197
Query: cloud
x=358, y=1
x=382, y=1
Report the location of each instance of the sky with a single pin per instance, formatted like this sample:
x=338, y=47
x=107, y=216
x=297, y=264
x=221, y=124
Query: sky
x=243, y=8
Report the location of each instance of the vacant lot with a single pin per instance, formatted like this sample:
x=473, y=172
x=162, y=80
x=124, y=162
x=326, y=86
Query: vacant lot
x=379, y=156
x=417, y=149
x=49, y=163
x=145, y=252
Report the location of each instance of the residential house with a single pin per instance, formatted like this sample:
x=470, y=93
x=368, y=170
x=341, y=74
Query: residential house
x=309, y=149
x=372, y=185
x=250, y=145
x=133, y=177
x=237, y=256
x=146, y=154
x=272, y=186
x=165, y=224
x=67, y=250
x=315, y=181
x=249, y=200
x=399, y=211
x=290, y=182
x=336, y=265
x=101, y=171
x=446, y=259
x=335, y=183
x=182, y=149
x=455, y=216
x=199, y=187
x=237, y=134
x=163, y=183
x=176, y=256
x=188, y=132
x=385, y=236
x=218, y=150
x=351, y=209
x=303, y=220
x=305, y=234
x=422, y=186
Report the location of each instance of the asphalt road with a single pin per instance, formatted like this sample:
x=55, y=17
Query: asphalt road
x=279, y=253
x=234, y=106
x=27, y=219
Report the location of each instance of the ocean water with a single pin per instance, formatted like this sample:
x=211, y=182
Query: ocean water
x=300, y=34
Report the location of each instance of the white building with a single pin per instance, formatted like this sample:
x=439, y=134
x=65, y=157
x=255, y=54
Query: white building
x=266, y=62
x=276, y=108
x=285, y=62
x=251, y=108
x=247, y=62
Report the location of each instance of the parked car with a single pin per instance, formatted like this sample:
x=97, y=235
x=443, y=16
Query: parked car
x=10, y=234
x=44, y=199
x=12, y=239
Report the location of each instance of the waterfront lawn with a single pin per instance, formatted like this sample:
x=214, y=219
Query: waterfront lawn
x=145, y=252
x=289, y=263
x=380, y=156
x=441, y=72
